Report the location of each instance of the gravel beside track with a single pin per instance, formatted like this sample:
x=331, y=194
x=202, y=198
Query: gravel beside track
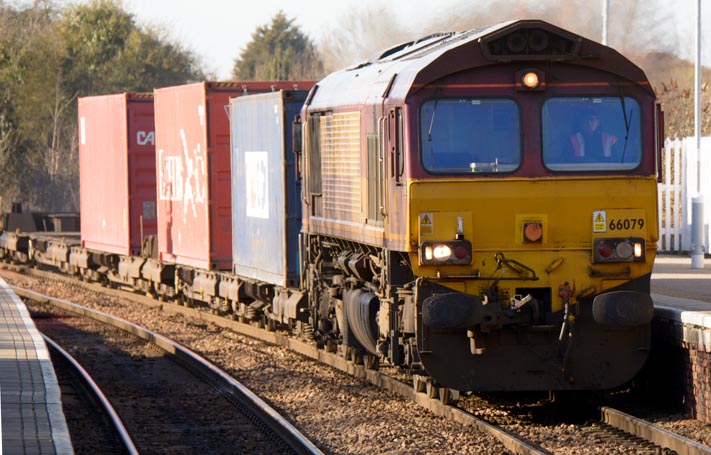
x=346, y=415
x=341, y=414
x=161, y=403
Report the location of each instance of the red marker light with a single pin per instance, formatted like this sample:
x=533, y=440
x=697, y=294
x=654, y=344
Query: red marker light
x=460, y=252
x=605, y=250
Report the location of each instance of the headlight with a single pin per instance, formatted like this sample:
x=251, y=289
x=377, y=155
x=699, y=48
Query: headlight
x=619, y=250
x=454, y=252
x=442, y=252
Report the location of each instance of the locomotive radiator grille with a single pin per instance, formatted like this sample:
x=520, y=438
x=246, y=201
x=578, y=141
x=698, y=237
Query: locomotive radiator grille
x=340, y=154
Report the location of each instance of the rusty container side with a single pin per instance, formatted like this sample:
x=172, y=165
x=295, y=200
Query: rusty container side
x=117, y=171
x=265, y=190
x=194, y=206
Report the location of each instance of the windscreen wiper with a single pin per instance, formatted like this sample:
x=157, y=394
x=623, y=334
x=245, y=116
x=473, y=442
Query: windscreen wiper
x=628, y=122
x=434, y=111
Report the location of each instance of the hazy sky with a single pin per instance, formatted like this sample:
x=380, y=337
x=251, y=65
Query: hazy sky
x=218, y=30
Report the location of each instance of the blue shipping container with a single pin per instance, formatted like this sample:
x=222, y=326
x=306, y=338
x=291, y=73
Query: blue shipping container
x=266, y=195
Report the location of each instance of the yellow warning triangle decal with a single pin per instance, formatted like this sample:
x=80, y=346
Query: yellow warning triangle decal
x=599, y=218
x=426, y=220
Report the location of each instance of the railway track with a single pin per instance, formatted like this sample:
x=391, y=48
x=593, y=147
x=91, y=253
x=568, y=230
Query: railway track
x=509, y=441
x=617, y=431
x=152, y=381
x=670, y=442
x=81, y=381
x=514, y=435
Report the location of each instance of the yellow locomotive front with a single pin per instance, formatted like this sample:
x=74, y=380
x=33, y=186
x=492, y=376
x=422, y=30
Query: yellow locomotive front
x=534, y=221
x=533, y=284
x=509, y=212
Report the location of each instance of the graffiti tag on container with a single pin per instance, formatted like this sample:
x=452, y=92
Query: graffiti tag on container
x=183, y=177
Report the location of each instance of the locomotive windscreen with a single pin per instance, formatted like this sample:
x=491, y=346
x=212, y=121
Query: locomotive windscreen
x=592, y=134
x=470, y=135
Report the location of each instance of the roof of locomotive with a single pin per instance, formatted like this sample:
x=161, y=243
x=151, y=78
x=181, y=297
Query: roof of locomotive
x=399, y=71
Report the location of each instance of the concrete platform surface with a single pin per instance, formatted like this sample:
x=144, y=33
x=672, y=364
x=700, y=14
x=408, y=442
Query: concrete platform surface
x=31, y=417
x=673, y=276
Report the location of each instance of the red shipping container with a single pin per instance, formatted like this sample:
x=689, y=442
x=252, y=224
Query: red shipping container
x=117, y=172
x=194, y=204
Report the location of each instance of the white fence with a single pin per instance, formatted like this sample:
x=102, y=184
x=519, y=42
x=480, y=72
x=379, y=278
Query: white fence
x=679, y=185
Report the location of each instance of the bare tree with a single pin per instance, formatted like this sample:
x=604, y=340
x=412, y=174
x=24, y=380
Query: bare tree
x=635, y=26
x=360, y=34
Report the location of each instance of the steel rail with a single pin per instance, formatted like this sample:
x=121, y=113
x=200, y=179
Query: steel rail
x=94, y=390
x=510, y=441
x=652, y=433
x=276, y=423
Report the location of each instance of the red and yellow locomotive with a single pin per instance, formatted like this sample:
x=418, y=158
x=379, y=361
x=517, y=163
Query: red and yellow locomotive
x=462, y=219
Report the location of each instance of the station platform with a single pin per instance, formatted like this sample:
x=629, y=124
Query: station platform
x=681, y=332
x=673, y=277
x=31, y=416
x=682, y=297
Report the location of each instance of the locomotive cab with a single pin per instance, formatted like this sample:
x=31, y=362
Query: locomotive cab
x=461, y=220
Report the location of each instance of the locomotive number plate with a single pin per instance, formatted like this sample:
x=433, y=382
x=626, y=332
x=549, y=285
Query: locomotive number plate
x=619, y=221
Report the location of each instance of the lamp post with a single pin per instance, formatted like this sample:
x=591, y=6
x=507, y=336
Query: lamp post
x=697, y=202
x=605, y=15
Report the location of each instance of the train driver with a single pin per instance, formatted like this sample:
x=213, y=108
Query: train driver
x=590, y=142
